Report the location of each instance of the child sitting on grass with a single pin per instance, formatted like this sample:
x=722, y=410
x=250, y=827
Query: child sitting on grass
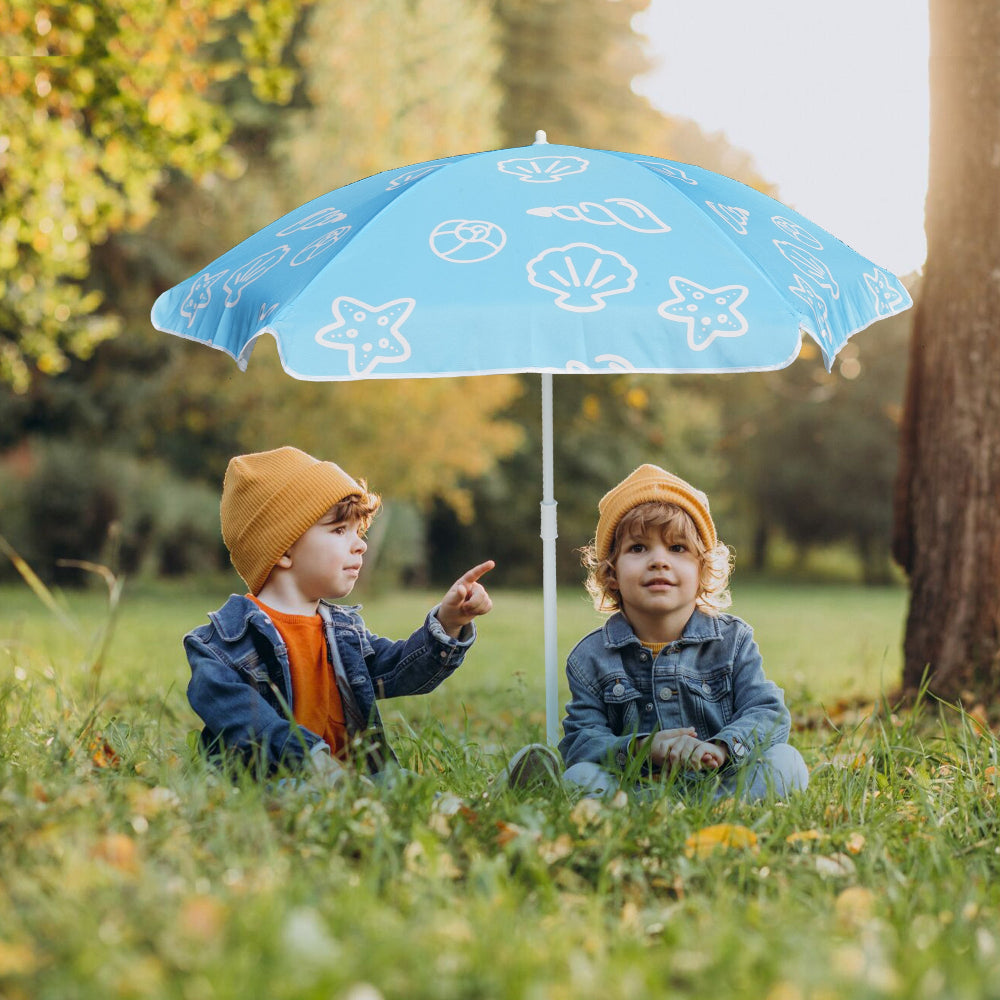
x=670, y=681
x=283, y=677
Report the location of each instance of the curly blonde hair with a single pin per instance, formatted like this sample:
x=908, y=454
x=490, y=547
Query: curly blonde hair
x=674, y=525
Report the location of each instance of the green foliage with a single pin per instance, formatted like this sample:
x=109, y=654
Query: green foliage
x=97, y=102
x=812, y=454
x=58, y=503
x=132, y=871
x=604, y=426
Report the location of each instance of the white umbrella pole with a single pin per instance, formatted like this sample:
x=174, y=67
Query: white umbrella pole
x=549, y=534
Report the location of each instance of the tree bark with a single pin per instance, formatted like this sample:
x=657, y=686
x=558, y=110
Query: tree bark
x=947, y=526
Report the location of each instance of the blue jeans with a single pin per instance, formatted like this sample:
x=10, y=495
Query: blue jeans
x=779, y=770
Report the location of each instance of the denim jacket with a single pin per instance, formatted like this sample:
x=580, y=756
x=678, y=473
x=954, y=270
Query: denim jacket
x=241, y=683
x=710, y=678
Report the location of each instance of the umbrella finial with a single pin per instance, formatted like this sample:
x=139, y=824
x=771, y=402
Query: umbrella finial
x=540, y=138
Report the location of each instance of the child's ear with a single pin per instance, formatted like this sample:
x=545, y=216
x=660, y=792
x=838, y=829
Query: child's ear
x=285, y=562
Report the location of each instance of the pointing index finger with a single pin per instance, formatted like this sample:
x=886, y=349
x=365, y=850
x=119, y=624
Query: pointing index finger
x=472, y=575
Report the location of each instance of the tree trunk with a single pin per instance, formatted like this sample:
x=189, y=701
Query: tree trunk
x=947, y=530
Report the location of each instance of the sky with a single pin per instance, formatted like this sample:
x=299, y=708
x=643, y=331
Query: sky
x=829, y=98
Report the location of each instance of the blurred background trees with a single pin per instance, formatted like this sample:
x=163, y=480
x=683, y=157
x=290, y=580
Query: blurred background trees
x=145, y=143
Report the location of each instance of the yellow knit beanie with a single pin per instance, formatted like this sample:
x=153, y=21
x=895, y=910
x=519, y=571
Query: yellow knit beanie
x=269, y=500
x=651, y=483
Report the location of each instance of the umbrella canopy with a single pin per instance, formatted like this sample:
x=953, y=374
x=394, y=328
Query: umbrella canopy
x=545, y=258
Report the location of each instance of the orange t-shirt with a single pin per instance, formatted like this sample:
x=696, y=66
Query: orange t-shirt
x=316, y=701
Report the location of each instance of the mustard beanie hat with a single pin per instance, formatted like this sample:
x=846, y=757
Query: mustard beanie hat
x=651, y=483
x=269, y=500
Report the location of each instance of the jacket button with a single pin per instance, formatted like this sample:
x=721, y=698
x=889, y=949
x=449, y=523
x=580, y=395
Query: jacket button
x=618, y=690
x=706, y=687
x=666, y=694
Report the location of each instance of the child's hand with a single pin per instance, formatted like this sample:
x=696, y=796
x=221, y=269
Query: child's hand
x=674, y=749
x=467, y=599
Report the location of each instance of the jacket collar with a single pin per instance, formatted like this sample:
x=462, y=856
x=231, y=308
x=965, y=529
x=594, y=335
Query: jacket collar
x=233, y=619
x=700, y=628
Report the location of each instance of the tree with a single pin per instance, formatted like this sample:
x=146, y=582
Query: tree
x=947, y=531
x=97, y=101
x=812, y=454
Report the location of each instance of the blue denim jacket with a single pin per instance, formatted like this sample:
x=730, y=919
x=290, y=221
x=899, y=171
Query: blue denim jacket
x=711, y=678
x=241, y=684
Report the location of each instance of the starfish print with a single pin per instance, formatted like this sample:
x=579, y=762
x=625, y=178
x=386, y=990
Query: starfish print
x=708, y=312
x=369, y=334
x=886, y=297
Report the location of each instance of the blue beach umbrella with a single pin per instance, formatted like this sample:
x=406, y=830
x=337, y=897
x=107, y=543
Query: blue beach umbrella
x=546, y=258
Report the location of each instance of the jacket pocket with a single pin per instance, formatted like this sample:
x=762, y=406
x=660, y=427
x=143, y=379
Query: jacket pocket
x=711, y=698
x=253, y=671
x=621, y=703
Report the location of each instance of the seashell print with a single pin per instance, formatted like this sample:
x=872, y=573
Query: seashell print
x=813, y=267
x=668, y=170
x=625, y=212
x=796, y=232
x=318, y=245
x=200, y=294
x=732, y=215
x=324, y=217
x=581, y=275
x=250, y=272
x=404, y=179
x=543, y=169
x=818, y=307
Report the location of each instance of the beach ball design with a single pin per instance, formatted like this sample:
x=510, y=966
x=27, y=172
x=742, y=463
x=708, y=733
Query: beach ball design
x=467, y=241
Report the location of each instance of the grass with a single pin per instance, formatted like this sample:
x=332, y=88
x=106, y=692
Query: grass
x=128, y=870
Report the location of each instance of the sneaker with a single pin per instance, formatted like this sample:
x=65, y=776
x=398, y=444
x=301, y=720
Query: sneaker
x=533, y=765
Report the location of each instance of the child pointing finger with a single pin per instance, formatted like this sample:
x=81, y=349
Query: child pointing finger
x=466, y=599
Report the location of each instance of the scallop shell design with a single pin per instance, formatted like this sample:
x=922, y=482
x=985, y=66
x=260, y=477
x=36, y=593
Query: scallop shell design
x=543, y=169
x=581, y=275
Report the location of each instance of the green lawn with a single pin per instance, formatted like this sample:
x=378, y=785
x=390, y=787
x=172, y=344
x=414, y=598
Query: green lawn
x=128, y=870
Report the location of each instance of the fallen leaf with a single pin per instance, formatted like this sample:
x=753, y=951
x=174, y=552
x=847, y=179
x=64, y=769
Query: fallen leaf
x=722, y=835
x=803, y=836
x=102, y=753
x=855, y=843
x=506, y=832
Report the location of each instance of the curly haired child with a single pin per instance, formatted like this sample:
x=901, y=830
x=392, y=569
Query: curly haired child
x=670, y=682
